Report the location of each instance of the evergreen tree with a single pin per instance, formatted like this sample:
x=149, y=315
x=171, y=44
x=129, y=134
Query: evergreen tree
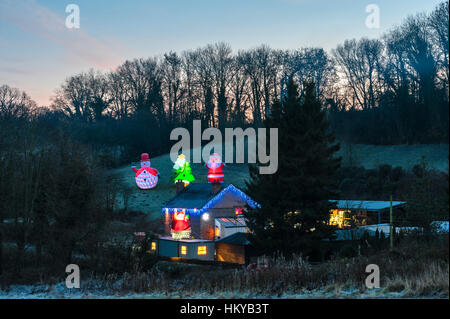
x=294, y=201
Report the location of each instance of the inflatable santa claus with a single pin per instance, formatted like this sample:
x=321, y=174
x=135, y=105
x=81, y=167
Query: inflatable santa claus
x=215, y=166
x=146, y=176
x=180, y=225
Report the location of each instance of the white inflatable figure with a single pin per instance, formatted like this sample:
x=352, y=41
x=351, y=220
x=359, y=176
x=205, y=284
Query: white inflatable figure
x=181, y=160
x=146, y=176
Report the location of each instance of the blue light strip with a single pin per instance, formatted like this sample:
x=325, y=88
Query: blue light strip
x=213, y=201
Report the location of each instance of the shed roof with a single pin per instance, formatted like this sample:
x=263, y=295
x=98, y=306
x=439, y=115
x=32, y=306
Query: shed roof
x=235, y=239
x=230, y=222
x=367, y=205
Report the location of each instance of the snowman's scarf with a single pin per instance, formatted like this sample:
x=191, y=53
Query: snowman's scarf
x=150, y=170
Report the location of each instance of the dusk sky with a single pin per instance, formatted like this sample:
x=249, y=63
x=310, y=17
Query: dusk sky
x=37, y=51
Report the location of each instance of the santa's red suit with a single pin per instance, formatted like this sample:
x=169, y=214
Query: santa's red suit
x=180, y=221
x=215, y=175
x=215, y=166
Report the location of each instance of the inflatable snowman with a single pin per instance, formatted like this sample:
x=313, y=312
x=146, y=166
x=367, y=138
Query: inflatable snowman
x=146, y=176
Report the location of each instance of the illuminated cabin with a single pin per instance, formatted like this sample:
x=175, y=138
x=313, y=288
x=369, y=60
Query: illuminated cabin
x=214, y=210
x=358, y=213
x=217, y=229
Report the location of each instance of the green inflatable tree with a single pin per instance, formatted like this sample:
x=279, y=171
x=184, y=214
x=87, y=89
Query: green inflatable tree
x=184, y=173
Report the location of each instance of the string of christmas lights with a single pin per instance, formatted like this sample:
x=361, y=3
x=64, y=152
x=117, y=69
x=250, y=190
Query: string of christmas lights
x=213, y=201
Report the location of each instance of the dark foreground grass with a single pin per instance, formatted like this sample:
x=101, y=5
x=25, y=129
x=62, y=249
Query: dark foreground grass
x=413, y=270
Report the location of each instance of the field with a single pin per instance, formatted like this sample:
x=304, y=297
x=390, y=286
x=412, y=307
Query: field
x=412, y=270
x=369, y=156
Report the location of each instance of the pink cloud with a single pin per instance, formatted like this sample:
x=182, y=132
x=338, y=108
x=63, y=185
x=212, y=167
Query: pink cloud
x=36, y=19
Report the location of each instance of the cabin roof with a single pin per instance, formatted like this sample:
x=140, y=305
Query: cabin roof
x=367, y=205
x=230, y=222
x=195, y=195
x=199, y=195
x=235, y=239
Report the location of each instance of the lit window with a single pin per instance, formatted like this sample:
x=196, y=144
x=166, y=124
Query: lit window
x=217, y=231
x=201, y=250
x=183, y=250
x=339, y=218
x=238, y=211
x=153, y=245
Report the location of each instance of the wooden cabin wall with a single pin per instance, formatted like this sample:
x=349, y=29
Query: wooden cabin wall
x=230, y=253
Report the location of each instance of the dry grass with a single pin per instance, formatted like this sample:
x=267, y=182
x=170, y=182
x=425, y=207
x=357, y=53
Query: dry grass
x=410, y=278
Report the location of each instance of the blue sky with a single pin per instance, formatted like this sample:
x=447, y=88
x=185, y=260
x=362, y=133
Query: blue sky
x=37, y=51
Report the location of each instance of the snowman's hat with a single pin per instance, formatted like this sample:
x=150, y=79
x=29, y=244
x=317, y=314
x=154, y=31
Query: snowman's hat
x=145, y=157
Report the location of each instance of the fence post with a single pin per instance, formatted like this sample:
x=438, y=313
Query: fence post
x=391, y=230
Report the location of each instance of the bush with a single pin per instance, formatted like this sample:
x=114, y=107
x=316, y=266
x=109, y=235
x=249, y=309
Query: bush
x=347, y=251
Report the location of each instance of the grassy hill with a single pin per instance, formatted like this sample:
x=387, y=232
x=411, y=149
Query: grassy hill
x=150, y=201
x=406, y=156
x=369, y=156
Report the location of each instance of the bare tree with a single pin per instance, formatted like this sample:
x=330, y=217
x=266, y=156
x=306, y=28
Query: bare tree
x=100, y=94
x=221, y=63
x=73, y=97
x=14, y=103
x=172, y=78
x=439, y=24
x=310, y=65
x=359, y=62
x=204, y=81
x=120, y=106
x=239, y=94
x=138, y=77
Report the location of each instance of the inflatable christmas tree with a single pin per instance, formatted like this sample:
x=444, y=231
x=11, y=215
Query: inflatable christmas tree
x=182, y=171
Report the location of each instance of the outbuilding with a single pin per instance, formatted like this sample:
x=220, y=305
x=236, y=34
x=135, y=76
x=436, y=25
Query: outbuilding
x=234, y=248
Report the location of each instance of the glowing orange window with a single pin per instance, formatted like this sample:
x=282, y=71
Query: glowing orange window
x=183, y=250
x=201, y=250
x=153, y=245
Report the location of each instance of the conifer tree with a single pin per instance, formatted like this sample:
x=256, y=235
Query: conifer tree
x=295, y=205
